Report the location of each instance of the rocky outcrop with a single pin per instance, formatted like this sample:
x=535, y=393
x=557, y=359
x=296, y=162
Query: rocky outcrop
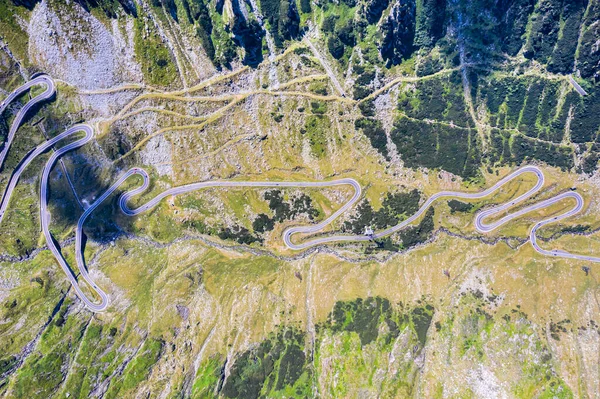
x=74, y=46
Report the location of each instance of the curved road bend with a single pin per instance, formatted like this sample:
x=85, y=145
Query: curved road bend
x=16, y=175
x=45, y=219
x=45, y=95
x=44, y=214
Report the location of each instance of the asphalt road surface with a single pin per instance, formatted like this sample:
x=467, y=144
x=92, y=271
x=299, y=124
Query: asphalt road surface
x=45, y=95
x=480, y=218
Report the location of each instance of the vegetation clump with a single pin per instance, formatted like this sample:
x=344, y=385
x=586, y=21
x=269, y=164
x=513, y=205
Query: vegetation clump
x=316, y=129
x=459, y=206
x=154, y=56
x=361, y=316
x=434, y=146
x=283, y=19
x=398, y=33
x=395, y=208
x=239, y=234
x=283, y=210
x=373, y=129
x=276, y=364
x=414, y=235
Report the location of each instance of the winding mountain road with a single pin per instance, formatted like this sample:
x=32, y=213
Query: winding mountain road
x=45, y=218
x=480, y=218
x=45, y=95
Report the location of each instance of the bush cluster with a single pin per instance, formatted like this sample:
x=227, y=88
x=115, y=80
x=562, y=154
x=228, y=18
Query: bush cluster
x=395, y=208
x=283, y=210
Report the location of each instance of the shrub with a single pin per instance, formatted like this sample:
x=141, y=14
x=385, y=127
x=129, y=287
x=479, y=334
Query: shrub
x=335, y=47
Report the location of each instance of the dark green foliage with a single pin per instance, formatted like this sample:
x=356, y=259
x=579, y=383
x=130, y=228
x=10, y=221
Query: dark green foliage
x=586, y=120
x=328, y=25
x=199, y=12
x=459, y=206
x=318, y=107
x=59, y=319
x=545, y=26
x=590, y=163
x=291, y=366
x=29, y=4
x=531, y=106
x=516, y=148
x=283, y=18
x=367, y=108
x=429, y=65
x=263, y=223
x=513, y=16
x=557, y=328
x=374, y=9
x=373, y=129
x=289, y=22
x=365, y=316
x=171, y=8
x=477, y=29
x=270, y=10
x=280, y=208
x=360, y=92
x=276, y=363
x=430, y=22
x=195, y=10
x=421, y=318
x=335, y=47
x=386, y=244
x=500, y=143
x=319, y=88
x=588, y=61
x=394, y=208
x=346, y=34
x=239, y=234
x=283, y=210
x=110, y=8
x=437, y=99
x=548, y=103
x=364, y=79
x=563, y=56
x=342, y=33
x=249, y=35
x=436, y=146
x=364, y=217
x=302, y=204
x=6, y=364
x=414, y=235
x=402, y=203
x=514, y=102
x=524, y=149
x=305, y=6
x=577, y=229
x=531, y=109
x=3, y=129
x=360, y=316
x=398, y=32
